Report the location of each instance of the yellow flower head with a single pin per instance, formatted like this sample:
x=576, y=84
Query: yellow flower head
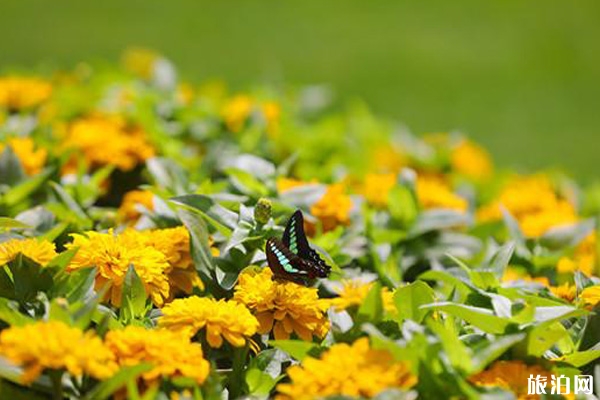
x=174, y=243
x=377, y=187
x=534, y=203
x=222, y=319
x=432, y=192
x=236, y=112
x=129, y=210
x=32, y=160
x=387, y=159
x=171, y=353
x=565, y=291
x=471, y=160
x=55, y=345
x=285, y=184
x=348, y=370
x=333, y=209
x=511, y=274
x=510, y=375
x=272, y=113
x=353, y=293
x=108, y=141
x=590, y=296
x=285, y=308
x=583, y=258
x=113, y=254
x=17, y=93
x=140, y=61
x=40, y=251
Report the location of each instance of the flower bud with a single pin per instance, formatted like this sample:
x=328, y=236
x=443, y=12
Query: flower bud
x=262, y=211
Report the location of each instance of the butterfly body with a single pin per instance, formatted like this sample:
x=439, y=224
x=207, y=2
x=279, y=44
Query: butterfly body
x=291, y=258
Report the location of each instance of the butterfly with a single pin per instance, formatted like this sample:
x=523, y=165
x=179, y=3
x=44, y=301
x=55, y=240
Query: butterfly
x=291, y=258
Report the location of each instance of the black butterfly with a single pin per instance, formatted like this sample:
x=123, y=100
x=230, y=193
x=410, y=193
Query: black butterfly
x=291, y=258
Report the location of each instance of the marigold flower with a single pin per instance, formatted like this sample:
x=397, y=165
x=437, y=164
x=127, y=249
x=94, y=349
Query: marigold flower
x=285, y=184
x=108, y=141
x=333, y=209
x=590, y=296
x=283, y=307
x=129, y=211
x=376, y=188
x=17, y=93
x=140, y=61
x=387, y=159
x=583, y=258
x=534, y=203
x=348, y=370
x=512, y=376
x=32, y=160
x=352, y=293
x=222, y=319
x=55, y=345
x=272, y=113
x=236, y=112
x=174, y=243
x=511, y=274
x=565, y=291
x=471, y=160
x=435, y=193
x=113, y=254
x=40, y=251
x=172, y=354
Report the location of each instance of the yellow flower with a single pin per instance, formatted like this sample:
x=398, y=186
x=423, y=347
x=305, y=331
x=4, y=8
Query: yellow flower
x=333, y=209
x=565, y=291
x=40, y=251
x=348, y=370
x=107, y=141
x=377, y=187
x=272, y=113
x=534, y=203
x=171, y=353
x=236, y=111
x=113, y=254
x=32, y=160
x=55, y=345
x=174, y=243
x=284, y=184
x=583, y=259
x=129, y=211
x=17, y=93
x=283, y=307
x=222, y=319
x=512, y=376
x=386, y=158
x=471, y=160
x=590, y=296
x=432, y=192
x=353, y=293
x=140, y=61
x=511, y=274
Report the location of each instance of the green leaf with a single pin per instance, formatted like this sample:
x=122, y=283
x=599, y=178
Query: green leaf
x=372, y=307
x=458, y=354
x=259, y=382
x=439, y=219
x=29, y=278
x=580, y=358
x=70, y=203
x=497, y=347
x=567, y=236
x=10, y=315
x=410, y=298
x=482, y=318
x=23, y=190
x=402, y=204
x=9, y=223
x=11, y=170
x=217, y=216
x=501, y=258
x=108, y=387
x=199, y=241
x=297, y=349
x=134, y=296
x=246, y=183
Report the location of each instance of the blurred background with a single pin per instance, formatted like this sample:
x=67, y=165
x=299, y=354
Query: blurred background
x=521, y=77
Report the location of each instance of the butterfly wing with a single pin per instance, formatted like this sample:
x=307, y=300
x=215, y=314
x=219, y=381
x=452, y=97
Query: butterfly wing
x=284, y=263
x=295, y=239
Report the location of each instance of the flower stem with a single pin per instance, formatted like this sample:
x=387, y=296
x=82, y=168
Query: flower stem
x=57, y=387
x=237, y=378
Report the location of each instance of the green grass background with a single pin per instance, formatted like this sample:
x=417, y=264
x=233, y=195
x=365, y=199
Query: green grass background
x=522, y=77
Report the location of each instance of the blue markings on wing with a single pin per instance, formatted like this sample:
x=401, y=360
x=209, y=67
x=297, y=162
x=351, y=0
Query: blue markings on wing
x=284, y=261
